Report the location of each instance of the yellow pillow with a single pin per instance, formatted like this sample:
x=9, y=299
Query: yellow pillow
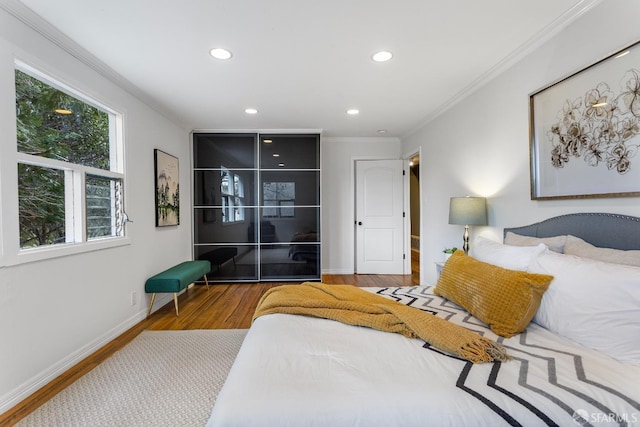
x=506, y=300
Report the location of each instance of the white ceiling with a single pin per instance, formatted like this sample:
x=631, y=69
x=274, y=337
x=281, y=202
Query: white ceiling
x=303, y=63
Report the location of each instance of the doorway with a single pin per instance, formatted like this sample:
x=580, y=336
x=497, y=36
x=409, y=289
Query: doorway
x=414, y=216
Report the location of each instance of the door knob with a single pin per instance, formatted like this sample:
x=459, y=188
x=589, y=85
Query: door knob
x=359, y=222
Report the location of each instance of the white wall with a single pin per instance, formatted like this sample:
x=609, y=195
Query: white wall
x=338, y=195
x=480, y=147
x=55, y=312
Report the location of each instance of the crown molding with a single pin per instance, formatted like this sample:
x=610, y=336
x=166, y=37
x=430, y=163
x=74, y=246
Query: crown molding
x=533, y=43
x=34, y=21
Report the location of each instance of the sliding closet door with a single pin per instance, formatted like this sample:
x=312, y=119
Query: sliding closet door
x=225, y=178
x=256, y=210
x=289, y=209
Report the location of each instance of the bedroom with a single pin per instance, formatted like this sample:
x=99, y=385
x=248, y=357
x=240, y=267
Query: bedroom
x=486, y=155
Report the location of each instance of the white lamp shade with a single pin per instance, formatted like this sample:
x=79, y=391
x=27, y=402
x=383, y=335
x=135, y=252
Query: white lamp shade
x=468, y=211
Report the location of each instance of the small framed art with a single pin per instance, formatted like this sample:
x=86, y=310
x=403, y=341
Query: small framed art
x=167, y=189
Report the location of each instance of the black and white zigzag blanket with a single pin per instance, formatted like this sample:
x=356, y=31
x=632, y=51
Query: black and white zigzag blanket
x=295, y=371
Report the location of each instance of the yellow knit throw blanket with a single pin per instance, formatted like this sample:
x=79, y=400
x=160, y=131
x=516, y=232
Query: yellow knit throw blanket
x=351, y=305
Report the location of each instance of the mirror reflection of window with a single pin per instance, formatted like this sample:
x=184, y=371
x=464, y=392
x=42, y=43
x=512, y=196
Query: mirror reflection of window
x=225, y=218
x=232, y=189
x=238, y=188
x=269, y=209
x=239, y=209
x=225, y=181
x=278, y=199
x=286, y=209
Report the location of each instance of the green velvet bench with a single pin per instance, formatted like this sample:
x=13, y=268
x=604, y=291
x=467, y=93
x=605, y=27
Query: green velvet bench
x=176, y=279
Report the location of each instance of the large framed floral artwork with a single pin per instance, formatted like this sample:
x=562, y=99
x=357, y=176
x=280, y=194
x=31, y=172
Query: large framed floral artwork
x=585, y=131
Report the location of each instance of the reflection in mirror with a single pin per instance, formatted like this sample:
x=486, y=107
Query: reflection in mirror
x=278, y=199
x=210, y=228
x=298, y=260
x=229, y=262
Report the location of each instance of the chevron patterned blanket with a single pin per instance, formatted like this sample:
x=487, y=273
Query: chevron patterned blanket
x=551, y=372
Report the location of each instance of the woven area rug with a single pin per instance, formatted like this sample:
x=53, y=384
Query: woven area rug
x=161, y=378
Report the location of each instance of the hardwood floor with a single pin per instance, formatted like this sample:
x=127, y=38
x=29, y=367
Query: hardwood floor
x=221, y=307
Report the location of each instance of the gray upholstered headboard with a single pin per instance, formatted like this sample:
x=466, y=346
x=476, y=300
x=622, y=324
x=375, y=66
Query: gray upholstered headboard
x=600, y=229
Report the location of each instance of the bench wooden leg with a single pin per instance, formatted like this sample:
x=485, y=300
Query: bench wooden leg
x=175, y=301
x=153, y=297
x=206, y=281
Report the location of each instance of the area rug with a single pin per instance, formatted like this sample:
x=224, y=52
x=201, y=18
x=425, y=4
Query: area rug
x=161, y=378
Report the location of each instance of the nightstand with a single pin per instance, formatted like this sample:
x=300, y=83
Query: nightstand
x=439, y=267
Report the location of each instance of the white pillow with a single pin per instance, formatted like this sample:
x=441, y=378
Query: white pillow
x=577, y=246
x=555, y=243
x=593, y=303
x=505, y=256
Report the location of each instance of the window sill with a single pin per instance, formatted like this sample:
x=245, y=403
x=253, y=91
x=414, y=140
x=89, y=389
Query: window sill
x=67, y=249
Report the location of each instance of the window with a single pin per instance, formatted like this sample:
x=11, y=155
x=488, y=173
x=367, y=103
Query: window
x=70, y=180
x=278, y=199
x=41, y=205
x=232, y=189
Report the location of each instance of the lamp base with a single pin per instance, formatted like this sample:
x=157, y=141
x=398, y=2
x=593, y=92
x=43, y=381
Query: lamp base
x=465, y=238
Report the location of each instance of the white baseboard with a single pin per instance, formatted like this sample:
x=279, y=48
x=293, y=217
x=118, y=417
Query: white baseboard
x=26, y=389
x=339, y=271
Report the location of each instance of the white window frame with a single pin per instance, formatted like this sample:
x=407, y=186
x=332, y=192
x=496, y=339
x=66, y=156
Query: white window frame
x=232, y=201
x=75, y=186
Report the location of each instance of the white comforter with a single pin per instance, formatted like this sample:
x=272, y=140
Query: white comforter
x=301, y=371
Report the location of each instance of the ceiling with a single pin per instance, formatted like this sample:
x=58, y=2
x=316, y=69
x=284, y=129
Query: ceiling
x=301, y=63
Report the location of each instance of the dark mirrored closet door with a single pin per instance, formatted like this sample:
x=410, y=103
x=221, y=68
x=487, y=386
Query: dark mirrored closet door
x=256, y=206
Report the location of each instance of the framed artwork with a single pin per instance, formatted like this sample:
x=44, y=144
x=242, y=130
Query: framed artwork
x=585, y=131
x=167, y=189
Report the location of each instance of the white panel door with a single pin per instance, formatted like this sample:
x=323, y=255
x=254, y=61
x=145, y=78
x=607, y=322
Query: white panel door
x=379, y=217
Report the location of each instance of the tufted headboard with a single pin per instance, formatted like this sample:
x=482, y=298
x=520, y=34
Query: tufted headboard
x=600, y=229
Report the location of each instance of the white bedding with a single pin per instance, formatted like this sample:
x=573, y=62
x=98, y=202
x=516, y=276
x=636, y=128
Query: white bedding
x=301, y=371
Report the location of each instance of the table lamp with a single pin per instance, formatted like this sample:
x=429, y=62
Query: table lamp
x=467, y=211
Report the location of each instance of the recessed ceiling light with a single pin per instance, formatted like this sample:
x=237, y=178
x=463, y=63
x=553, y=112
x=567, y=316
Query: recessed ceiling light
x=251, y=111
x=382, y=56
x=276, y=155
x=353, y=111
x=267, y=141
x=63, y=111
x=220, y=53
x=280, y=165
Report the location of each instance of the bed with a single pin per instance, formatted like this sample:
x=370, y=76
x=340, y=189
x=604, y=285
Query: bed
x=304, y=371
x=305, y=251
